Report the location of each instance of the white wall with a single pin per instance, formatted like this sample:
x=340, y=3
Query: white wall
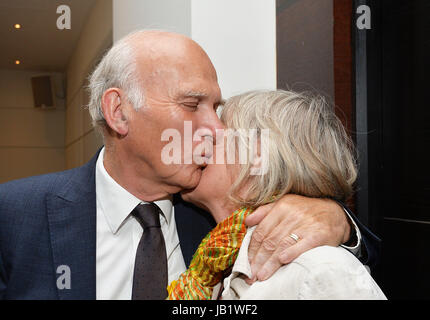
x=32, y=139
x=238, y=35
x=169, y=15
x=240, y=38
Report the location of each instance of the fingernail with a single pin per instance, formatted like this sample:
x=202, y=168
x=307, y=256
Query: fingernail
x=262, y=275
x=249, y=222
x=283, y=258
x=250, y=280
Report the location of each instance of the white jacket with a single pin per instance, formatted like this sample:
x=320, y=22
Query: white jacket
x=323, y=273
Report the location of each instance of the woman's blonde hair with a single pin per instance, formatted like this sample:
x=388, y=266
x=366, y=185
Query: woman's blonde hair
x=309, y=152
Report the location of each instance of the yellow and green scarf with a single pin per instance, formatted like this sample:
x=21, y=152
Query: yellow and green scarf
x=216, y=253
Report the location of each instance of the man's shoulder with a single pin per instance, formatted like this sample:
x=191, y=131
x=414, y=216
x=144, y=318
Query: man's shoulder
x=39, y=186
x=24, y=201
x=32, y=191
x=35, y=184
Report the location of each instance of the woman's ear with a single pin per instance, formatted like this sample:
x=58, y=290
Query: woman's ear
x=114, y=109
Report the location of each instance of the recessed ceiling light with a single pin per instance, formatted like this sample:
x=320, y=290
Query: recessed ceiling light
x=17, y=26
x=17, y=62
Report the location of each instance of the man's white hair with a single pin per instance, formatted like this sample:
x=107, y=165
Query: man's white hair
x=117, y=69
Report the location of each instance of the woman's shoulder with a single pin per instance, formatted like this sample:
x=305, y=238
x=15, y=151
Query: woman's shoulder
x=335, y=273
x=328, y=256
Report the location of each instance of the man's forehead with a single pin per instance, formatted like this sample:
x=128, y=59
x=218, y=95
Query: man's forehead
x=198, y=77
x=177, y=67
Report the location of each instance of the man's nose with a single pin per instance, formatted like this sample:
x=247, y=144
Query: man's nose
x=212, y=122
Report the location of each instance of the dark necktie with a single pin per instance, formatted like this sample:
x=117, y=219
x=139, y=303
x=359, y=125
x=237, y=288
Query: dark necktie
x=150, y=269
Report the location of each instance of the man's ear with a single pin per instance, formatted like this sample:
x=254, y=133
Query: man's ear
x=114, y=106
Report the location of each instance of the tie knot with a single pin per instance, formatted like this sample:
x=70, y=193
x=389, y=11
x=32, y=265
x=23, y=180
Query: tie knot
x=148, y=215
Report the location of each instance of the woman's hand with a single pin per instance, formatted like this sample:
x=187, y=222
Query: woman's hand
x=317, y=222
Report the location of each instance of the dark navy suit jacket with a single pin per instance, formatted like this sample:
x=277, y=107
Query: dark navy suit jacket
x=50, y=221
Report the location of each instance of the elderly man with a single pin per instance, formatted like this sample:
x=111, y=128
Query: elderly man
x=111, y=229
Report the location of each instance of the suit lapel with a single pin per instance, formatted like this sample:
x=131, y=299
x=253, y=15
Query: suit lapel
x=192, y=224
x=72, y=226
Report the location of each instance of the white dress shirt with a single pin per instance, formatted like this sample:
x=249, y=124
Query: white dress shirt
x=321, y=273
x=356, y=249
x=119, y=233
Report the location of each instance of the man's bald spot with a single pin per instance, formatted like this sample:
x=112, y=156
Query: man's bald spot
x=152, y=46
x=165, y=61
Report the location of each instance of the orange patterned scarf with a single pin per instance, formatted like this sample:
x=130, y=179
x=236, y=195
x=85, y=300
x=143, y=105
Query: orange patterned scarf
x=216, y=253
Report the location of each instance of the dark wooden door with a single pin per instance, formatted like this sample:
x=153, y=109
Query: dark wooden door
x=404, y=155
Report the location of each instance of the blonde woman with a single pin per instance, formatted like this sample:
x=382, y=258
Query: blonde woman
x=307, y=152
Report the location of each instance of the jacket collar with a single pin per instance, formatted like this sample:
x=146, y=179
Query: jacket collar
x=242, y=266
x=116, y=202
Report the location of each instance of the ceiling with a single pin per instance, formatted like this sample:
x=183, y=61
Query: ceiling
x=39, y=45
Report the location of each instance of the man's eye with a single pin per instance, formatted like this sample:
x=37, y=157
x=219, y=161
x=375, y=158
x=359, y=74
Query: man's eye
x=192, y=105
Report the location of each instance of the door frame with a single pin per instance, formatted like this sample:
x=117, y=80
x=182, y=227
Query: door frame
x=367, y=99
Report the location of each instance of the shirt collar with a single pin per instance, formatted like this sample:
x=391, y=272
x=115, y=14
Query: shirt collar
x=242, y=265
x=116, y=202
